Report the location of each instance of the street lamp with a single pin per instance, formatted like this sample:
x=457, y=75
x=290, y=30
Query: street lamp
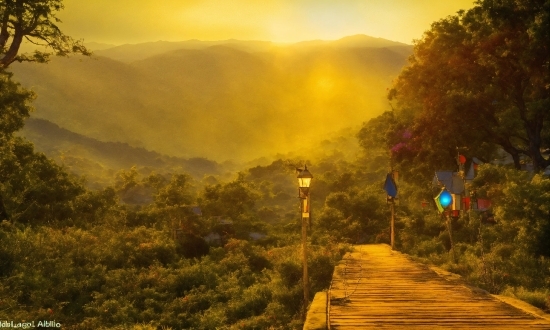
x=304, y=181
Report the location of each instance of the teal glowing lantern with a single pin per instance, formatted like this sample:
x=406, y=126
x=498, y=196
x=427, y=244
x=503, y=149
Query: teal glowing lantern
x=445, y=198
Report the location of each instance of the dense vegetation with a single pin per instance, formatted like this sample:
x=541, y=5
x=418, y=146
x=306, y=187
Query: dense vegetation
x=478, y=84
x=134, y=253
x=137, y=253
x=111, y=257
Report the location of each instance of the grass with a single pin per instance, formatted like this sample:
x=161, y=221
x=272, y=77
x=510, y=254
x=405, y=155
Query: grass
x=539, y=298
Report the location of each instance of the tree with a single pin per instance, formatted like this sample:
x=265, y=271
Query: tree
x=14, y=106
x=33, y=189
x=481, y=77
x=176, y=192
x=230, y=199
x=14, y=109
x=36, y=22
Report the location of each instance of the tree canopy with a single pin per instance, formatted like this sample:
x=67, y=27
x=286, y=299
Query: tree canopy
x=479, y=79
x=36, y=22
x=27, y=177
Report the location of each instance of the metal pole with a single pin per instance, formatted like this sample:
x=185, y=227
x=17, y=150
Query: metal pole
x=392, y=230
x=450, y=229
x=304, y=253
x=394, y=175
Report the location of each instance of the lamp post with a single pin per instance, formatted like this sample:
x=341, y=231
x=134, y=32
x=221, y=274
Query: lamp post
x=391, y=188
x=304, y=181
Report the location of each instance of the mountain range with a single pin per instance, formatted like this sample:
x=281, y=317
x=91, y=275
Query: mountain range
x=218, y=100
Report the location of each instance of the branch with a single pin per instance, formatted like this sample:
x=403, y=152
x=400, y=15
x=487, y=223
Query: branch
x=32, y=41
x=11, y=54
x=32, y=26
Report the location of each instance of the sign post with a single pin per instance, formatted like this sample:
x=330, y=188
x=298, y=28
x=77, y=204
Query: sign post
x=391, y=189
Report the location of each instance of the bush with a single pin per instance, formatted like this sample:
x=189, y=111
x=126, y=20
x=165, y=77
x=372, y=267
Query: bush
x=538, y=298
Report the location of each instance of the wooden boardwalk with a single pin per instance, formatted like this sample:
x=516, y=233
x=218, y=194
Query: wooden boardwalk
x=376, y=288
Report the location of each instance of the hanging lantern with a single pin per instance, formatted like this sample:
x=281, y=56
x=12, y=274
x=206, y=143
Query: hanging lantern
x=445, y=198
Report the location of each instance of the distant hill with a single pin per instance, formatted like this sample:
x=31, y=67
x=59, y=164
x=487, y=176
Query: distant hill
x=237, y=100
x=133, y=52
x=361, y=40
x=98, y=45
x=98, y=161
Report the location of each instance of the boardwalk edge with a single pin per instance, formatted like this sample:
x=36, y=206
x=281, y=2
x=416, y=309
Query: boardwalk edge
x=316, y=318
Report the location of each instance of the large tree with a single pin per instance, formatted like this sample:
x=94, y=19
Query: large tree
x=26, y=178
x=482, y=76
x=36, y=22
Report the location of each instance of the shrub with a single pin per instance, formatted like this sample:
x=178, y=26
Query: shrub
x=538, y=298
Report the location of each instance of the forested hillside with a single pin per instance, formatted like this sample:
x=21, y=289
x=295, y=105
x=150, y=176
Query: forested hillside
x=98, y=161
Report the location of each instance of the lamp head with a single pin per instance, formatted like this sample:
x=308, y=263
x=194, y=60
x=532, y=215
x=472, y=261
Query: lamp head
x=445, y=198
x=304, y=178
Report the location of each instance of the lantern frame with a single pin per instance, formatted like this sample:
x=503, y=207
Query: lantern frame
x=304, y=181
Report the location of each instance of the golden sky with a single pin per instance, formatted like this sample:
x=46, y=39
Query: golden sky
x=134, y=21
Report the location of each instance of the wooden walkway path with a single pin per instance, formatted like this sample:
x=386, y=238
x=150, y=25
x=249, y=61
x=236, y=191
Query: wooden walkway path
x=376, y=288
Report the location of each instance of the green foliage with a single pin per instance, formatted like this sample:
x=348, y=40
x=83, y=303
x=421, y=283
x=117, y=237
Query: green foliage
x=476, y=81
x=231, y=199
x=34, y=189
x=134, y=255
x=95, y=278
x=354, y=216
x=511, y=254
x=14, y=106
x=537, y=298
x=492, y=85
x=522, y=206
x=35, y=21
x=119, y=265
x=176, y=192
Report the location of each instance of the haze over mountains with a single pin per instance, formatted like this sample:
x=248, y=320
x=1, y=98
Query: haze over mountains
x=221, y=100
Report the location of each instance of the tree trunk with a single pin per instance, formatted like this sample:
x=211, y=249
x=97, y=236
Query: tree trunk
x=3, y=214
x=11, y=54
x=533, y=128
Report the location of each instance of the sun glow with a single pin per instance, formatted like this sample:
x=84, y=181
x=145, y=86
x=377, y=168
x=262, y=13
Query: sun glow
x=133, y=21
x=325, y=85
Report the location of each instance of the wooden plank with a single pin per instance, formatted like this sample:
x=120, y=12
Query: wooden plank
x=376, y=288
